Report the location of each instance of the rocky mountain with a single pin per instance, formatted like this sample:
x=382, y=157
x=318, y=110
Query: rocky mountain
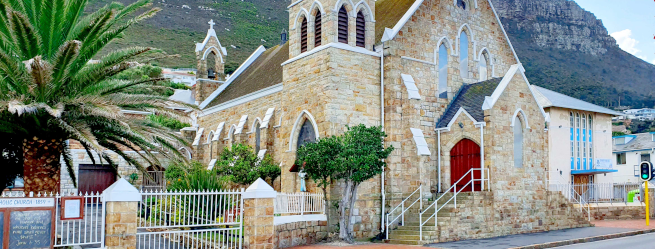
x=562, y=46
x=567, y=49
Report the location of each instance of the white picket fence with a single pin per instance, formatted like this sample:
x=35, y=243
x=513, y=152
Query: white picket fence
x=199, y=219
x=89, y=230
x=299, y=203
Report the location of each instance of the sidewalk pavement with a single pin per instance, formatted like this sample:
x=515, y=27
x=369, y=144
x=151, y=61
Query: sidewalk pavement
x=602, y=229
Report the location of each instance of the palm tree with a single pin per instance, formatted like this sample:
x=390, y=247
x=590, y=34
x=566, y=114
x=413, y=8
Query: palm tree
x=51, y=90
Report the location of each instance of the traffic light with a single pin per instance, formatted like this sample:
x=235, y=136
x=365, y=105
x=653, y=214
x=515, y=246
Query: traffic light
x=646, y=170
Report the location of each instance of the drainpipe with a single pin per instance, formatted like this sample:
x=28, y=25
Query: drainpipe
x=382, y=224
x=482, y=153
x=439, y=160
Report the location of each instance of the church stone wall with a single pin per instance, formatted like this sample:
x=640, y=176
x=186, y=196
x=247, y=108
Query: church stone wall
x=519, y=193
x=419, y=40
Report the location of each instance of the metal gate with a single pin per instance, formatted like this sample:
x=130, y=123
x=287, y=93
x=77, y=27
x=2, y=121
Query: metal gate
x=205, y=219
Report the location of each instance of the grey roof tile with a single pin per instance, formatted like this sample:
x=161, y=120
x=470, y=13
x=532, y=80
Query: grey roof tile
x=470, y=97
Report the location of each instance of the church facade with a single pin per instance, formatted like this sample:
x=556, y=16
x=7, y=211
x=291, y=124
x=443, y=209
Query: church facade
x=440, y=76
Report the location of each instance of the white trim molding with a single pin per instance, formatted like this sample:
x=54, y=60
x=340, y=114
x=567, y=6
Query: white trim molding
x=294, y=4
x=525, y=118
x=389, y=34
x=490, y=101
x=204, y=56
x=340, y=3
x=332, y=45
x=320, y=7
x=235, y=75
x=421, y=145
x=297, y=123
x=449, y=46
x=242, y=123
x=244, y=99
x=218, y=132
x=460, y=112
x=302, y=12
x=196, y=141
x=267, y=117
x=367, y=7
x=257, y=119
x=412, y=90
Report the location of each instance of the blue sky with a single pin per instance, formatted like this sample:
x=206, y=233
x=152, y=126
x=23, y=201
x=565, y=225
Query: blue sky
x=630, y=22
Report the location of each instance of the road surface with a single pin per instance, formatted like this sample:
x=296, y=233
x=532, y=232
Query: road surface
x=631, y=242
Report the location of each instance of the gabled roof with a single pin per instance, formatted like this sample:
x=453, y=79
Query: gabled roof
x=641, y=141
x=470, y=98
x=548, y=98
x=392, y=15
x=263, y=71
x=388, y=13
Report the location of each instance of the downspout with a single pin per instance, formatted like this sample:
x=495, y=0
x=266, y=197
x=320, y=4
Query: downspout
x=482, y=153
x=382, y=224
x=439, y=160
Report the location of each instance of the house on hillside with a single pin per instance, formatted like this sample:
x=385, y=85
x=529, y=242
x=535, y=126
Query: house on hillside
x=441, y=77
x=581, y=130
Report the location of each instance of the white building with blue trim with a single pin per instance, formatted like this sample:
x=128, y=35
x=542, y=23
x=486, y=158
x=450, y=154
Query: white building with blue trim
x=629, y=151
x=579, y=139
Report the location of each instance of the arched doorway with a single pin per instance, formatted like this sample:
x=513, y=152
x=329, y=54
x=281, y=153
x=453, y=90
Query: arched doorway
x=464, y=157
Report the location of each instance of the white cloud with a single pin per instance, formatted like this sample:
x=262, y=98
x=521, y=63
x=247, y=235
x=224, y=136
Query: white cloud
x=653, y=62
x=626, y=42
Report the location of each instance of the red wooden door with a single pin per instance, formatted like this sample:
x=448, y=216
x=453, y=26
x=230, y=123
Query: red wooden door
x=464, y=157
x=95, y=178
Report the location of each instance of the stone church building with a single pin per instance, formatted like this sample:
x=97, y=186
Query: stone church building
x=440, y=76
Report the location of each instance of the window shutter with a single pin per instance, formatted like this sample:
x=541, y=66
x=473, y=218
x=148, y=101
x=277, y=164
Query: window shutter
x=303, y=36
x=343, y=25
x=361, y=30
x=318, y=30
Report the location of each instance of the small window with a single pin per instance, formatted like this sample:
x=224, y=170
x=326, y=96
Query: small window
x=318, y=29
x=343, y=25
x=518, y=143
x=620, y=159
x=483, y=67
x=361, y=30
x=307, y=134
x=443, y=72
x=461, y=4
x=258, y=139
x=303, y=35
x=619, y=141
x=464, y=55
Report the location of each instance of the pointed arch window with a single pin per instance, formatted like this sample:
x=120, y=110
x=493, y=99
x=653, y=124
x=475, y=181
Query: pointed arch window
x=307, y=134
x=258, y=136
x=443, y=71
x=361, y=30
x=464, y=55
x=484, y=62
x=318, y=29
x=461, y=4
x=518, y=142
x=343, y=25
x=303, y=35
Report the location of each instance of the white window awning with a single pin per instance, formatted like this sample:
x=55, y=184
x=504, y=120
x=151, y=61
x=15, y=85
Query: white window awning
x=218, y=132
x=421, y=144
x=196, y=141
x=410, y=84
x=212, y=163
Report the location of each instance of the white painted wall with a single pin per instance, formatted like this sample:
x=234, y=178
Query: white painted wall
x=626, y=171
x=559, y=147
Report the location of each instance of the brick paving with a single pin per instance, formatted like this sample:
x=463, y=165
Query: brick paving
x=630, y=224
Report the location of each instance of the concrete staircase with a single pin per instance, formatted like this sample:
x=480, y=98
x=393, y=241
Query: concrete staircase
x=409, y=232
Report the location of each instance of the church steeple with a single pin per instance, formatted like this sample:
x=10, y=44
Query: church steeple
x=210, y=55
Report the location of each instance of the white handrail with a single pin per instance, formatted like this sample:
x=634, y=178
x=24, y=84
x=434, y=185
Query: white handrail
x=456, y=192
x=402, y=206
x=581, y=202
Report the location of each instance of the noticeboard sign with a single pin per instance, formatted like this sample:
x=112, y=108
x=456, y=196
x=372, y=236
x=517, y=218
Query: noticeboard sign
x=27, y=223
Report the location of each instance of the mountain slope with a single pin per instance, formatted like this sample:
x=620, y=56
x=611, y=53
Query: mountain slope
x=567, y=49
x=562, y=46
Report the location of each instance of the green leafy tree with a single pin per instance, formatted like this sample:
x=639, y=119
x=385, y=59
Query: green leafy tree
x=320, y=161
x=240, y=165
x=51, y=91
x=354, y=157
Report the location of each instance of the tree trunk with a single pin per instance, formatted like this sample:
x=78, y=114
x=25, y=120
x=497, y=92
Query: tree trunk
x=41, y=164
x=344, y=220
x=353, y=199
x=327, y=209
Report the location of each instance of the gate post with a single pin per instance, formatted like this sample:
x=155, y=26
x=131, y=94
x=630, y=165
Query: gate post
x=258, y=224
x=121, y=201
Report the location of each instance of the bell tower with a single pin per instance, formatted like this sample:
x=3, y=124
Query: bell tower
x=210, y=55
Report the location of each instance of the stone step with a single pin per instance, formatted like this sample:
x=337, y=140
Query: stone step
x=414, y=232
x=415, y=228
x=403, y=242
